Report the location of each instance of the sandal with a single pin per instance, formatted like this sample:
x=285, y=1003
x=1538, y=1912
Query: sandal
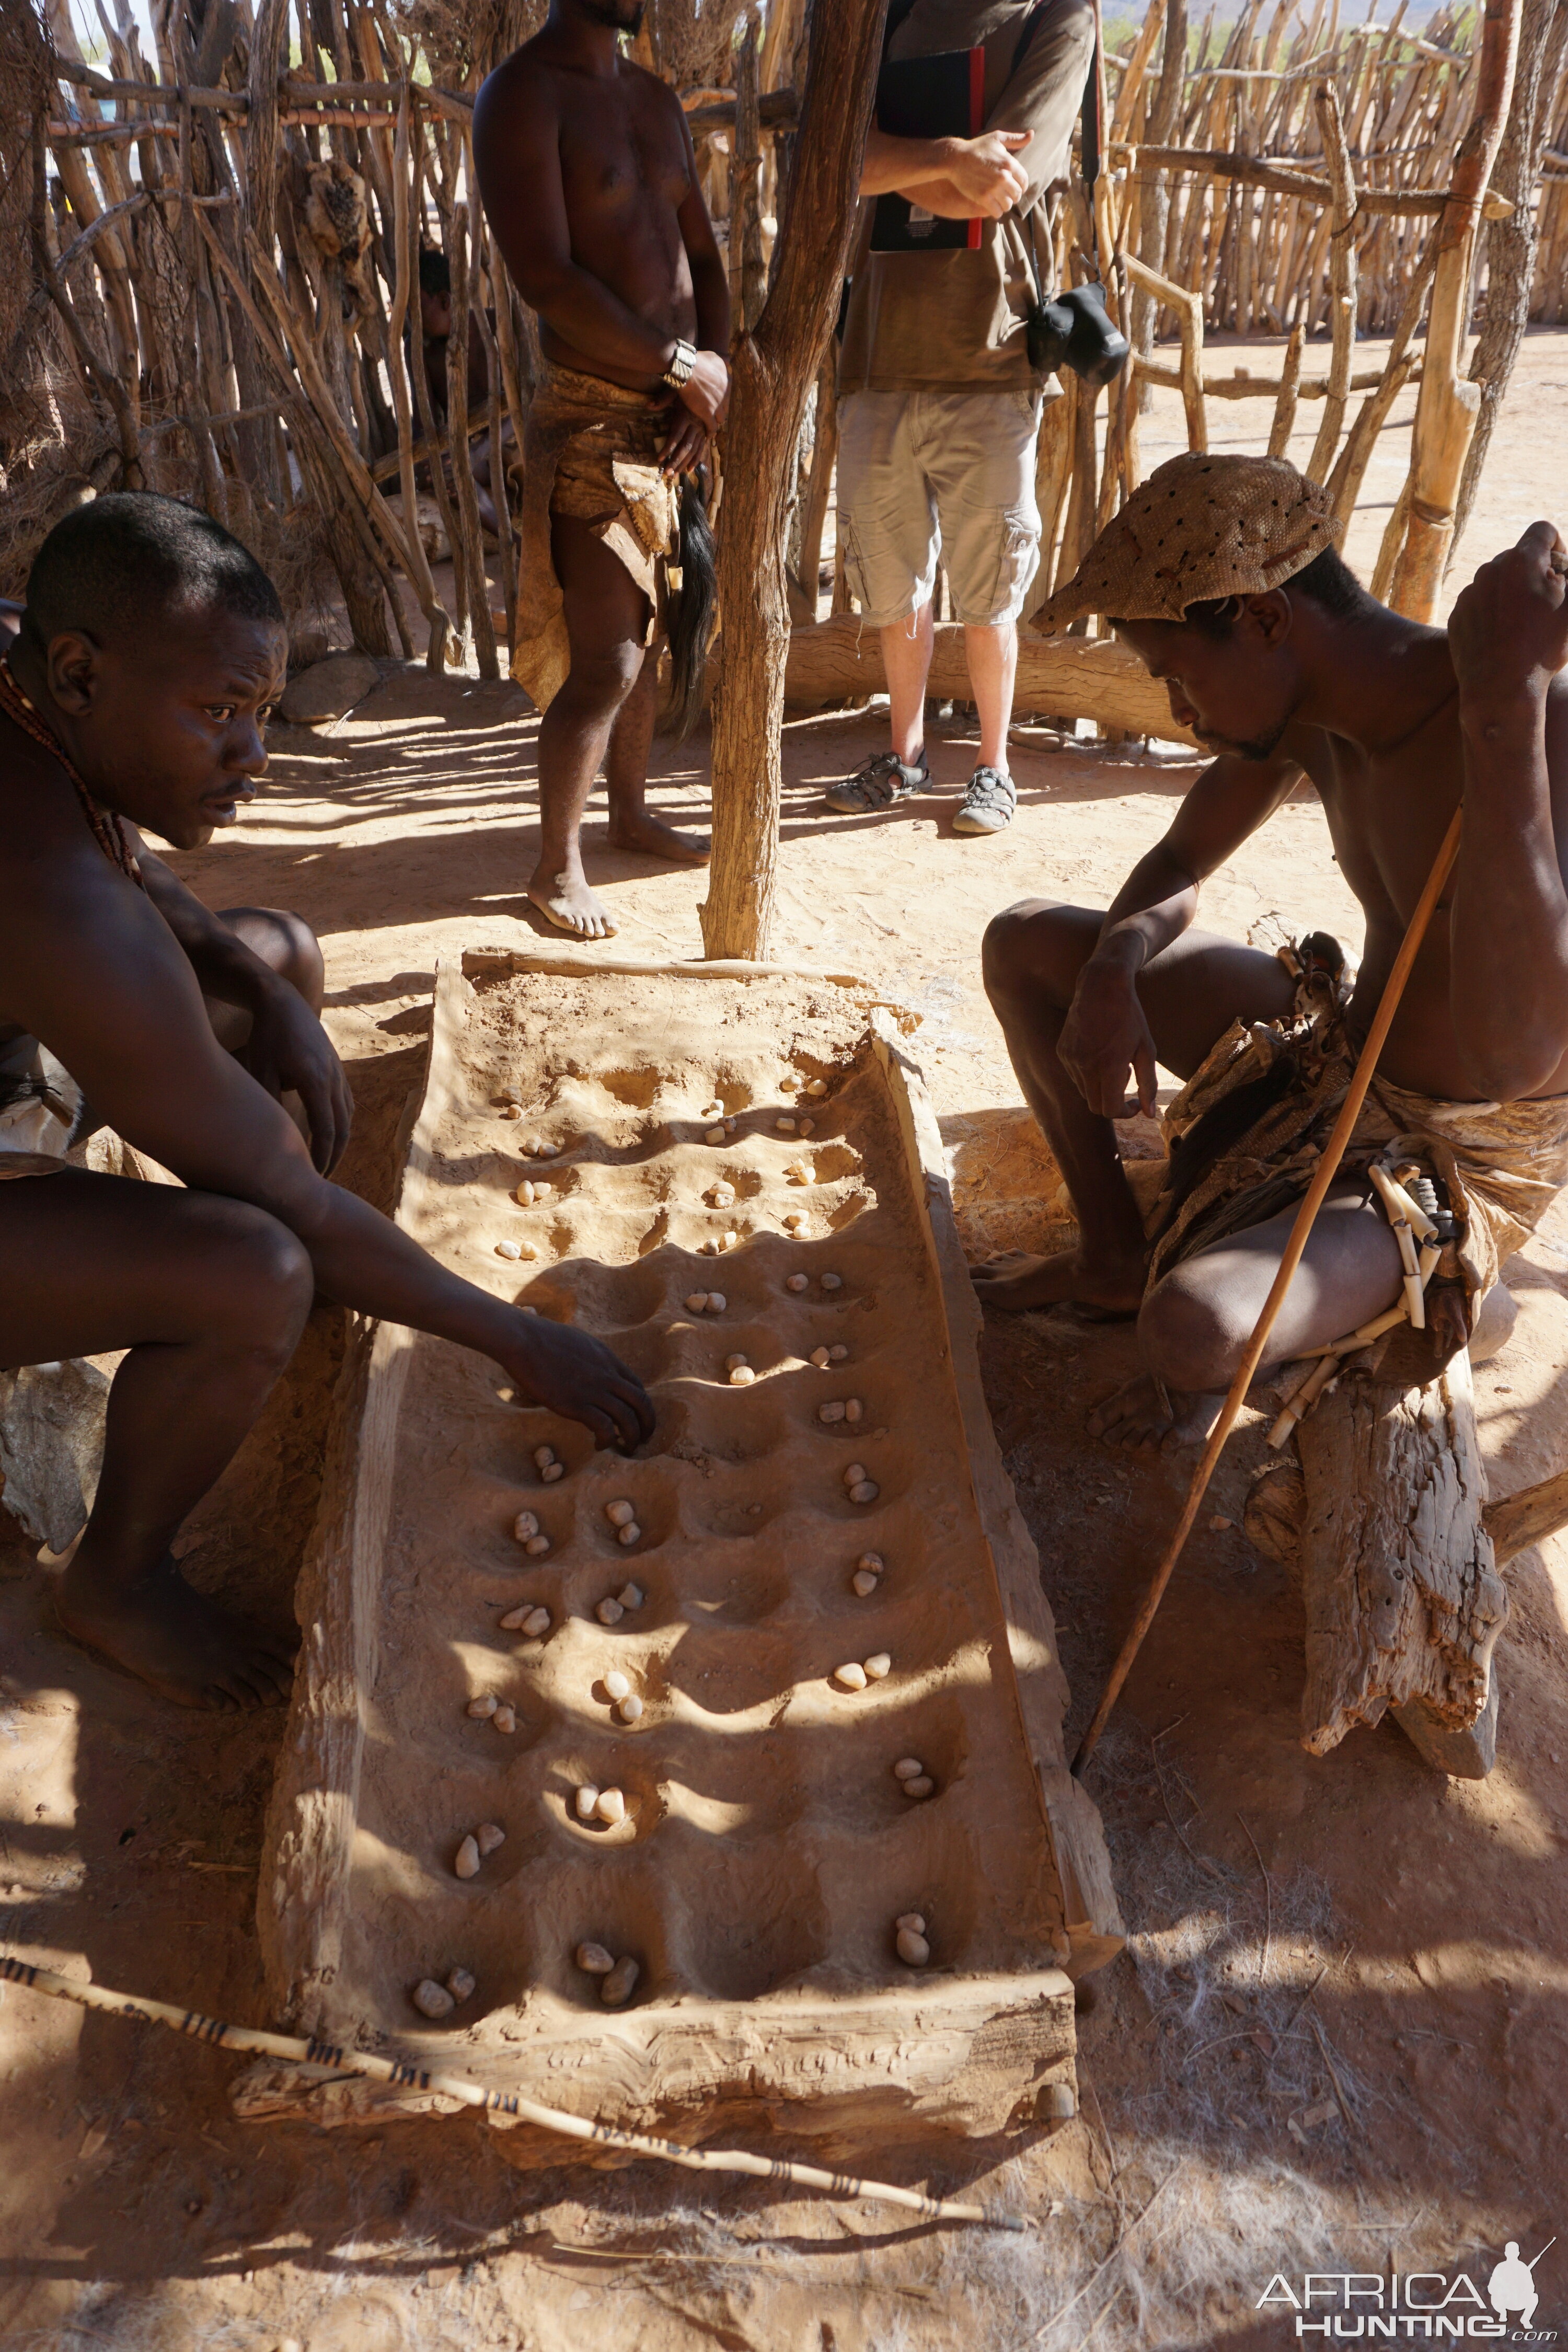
x=878, y=783
x=989, y=804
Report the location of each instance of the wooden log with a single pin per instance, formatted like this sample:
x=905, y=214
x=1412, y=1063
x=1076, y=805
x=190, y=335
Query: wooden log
x=1081, y=678
x=1189, y=311
x=1341, y=282
x=774, y=368
x=1221, y=163
x=1402, y=1599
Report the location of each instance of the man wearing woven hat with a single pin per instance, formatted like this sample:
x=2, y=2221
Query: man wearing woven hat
x=1223, y=574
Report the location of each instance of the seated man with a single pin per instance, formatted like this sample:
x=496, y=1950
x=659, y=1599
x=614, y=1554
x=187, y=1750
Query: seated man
x=150, y=648
x=1223, y=574
x=590, y=187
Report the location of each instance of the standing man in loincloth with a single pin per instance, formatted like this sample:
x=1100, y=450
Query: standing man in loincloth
x=134, y=695
x=1223, y=574
x=589, y=183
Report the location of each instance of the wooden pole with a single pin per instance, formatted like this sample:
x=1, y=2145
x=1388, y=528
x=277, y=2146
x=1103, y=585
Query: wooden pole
x=1306, y=1217
x=1447, y=409
x=773, y=367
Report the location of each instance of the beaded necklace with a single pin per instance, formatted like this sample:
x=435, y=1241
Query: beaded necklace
x=106, y=827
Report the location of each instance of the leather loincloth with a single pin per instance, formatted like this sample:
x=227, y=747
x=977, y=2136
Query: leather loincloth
x=1246, y=1130
x=591, y=450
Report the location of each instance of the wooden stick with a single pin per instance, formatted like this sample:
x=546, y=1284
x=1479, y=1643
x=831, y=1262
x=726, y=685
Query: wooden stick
x=1306, y=1217
x=407, y=2076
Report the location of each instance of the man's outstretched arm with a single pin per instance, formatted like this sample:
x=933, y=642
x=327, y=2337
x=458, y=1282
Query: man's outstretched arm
x=1106, y=1038
x=1508, y=918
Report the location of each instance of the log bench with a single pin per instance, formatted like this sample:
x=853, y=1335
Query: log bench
x=1382, y=1511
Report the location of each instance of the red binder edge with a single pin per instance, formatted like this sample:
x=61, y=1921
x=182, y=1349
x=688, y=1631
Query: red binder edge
x=976, y=121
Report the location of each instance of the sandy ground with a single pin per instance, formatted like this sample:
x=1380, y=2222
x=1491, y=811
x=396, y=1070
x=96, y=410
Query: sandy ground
x=1337, y=2040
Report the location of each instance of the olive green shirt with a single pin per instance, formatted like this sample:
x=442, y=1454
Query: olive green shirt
x=954, y=321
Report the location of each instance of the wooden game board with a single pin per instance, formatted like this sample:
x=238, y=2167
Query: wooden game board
x=767, y=1848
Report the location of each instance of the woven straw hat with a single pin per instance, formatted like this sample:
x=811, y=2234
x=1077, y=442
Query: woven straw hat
x=1200, y=526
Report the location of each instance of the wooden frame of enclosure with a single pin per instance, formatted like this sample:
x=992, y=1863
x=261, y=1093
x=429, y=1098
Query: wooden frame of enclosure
x=762, y=2058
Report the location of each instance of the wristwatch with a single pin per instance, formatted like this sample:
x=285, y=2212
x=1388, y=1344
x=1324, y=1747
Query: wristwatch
x=679, y=370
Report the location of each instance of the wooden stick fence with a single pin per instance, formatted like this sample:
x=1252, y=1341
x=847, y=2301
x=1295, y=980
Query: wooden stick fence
x=227, y=270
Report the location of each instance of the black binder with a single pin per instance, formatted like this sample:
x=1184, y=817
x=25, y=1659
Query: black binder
x=941, y=97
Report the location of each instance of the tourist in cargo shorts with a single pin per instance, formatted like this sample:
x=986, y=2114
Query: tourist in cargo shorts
x=938, y=407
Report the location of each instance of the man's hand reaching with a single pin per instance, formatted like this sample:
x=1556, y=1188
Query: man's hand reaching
x=576, y=1375
x=1106, y=1040
x=288, y=1051
x=1508, y=632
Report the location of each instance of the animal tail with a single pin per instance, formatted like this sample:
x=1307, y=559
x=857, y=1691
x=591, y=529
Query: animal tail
x=692, y=609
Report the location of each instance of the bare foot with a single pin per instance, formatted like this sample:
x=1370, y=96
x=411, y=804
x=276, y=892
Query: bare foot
x=171, y=1636
x=1148, y=1417
x=1015, y=1281
x=638, y=829
x=567, y=902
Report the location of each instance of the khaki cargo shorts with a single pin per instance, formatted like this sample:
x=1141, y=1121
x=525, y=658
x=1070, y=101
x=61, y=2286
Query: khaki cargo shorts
x=923, y=474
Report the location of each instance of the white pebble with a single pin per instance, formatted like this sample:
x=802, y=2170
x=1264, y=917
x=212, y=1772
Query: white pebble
x=620, y=1984
x=523, y=1195
x=830, y=1412
x=908, y=1768
x=536, y=1622
x=838, y=1352
x=509, y=1249
x=609, y=1613
x=864, y=1490
x=509, y=1095
x=584, y=1799
x=742, y=1377
x=729, y=1127
x=630, y=1534
x=504, y=1718
x=526, y=1524
x=593, y=1960
x=714, y=1135
x=483, y=1706
x=850, y=1676
x=879, y=1666
x=487, y=1836
x=794, y=1226
x=467, y=1861
x=460, y=1984
x=821, y=1358
x=817, y=1087
x=536, y=1547
x=708, y=1249
x=913, y=1948
x=621, y=1514
x=543, y=1456
x=697, y=1302
x=796, y=1282
x=729, y=1241
x=516, y=1619
x=611, y=1807
x=630, y=1709
x=832, y=1282
x=512, y=1110
x=547, y=1150
x=631, y=1596
x=854, y=1473
x=433, y=2000
x=722, y=1196
x=852, y=1409
x=717, y=1302
x=921, y=1787
x=715, y=1110
x=913, y=1920
x=807, y=1126
x=550, y=1472
x=873, y=1560
x=733, y=1364
x=790, y=1083
x=615, y=1682
x=864, y=1583
x=798, y=1173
